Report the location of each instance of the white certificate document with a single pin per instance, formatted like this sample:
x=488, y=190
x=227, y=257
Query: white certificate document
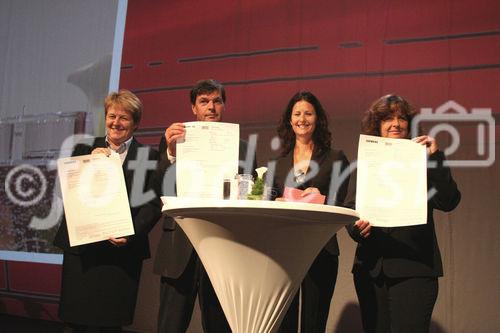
x=391, y=188
x=95, y=198
x=208, y=154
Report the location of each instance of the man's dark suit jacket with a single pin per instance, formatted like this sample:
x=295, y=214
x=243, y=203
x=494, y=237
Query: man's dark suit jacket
x=143, y=219
x=325, y=160
x=407, y=251
x=174, y=248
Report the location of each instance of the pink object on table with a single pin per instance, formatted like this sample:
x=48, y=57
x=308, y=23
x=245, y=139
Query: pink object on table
x=294, y=194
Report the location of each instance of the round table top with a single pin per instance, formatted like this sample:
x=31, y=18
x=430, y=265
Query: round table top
x=190, y=207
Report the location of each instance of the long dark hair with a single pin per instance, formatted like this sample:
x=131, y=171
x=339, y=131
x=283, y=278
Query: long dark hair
x=322, y=136
x=383, y=108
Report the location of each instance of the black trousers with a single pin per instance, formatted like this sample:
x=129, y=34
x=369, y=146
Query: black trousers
x=177, y=298
x=317, y=291
x=396, y=305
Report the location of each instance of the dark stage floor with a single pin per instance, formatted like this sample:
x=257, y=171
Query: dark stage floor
x=14, y=324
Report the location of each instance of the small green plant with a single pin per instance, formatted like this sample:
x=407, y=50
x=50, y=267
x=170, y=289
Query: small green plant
x=258, y=186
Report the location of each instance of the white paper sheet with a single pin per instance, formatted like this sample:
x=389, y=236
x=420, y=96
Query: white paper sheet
x=208, y=153
x=95, y=198
x=391, y=186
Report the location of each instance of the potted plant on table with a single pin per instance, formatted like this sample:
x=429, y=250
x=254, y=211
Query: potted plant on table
x=259, y=186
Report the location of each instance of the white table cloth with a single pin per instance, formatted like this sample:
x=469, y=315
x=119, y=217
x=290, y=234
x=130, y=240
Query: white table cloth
x=256, y=253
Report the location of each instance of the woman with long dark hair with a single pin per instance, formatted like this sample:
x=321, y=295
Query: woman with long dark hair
x=306, y=163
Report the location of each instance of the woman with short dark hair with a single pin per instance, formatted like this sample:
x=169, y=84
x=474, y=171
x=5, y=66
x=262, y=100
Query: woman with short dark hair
x=396, y=269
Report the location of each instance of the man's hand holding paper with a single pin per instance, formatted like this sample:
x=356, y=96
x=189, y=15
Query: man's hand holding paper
x=208, y=154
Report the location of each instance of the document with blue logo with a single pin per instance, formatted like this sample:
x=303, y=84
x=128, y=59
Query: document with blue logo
x=391, y=187
x=208, y=154
x=95, y=198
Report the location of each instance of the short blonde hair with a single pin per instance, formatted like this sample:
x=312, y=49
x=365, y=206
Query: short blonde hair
x=128, y=101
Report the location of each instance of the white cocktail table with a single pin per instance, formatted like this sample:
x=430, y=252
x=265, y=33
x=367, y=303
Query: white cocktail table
x=256, y=253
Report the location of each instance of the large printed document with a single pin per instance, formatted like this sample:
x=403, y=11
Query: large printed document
x=208, y=154
x=391, y=189
x=95, y=198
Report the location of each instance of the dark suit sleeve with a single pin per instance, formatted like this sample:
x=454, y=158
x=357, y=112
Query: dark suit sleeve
x=162, y=146
x=343, y=188
x=439, y=177
x=254, y=172
x=350, y=202
x=277, y=182
x=150, y=212
x=162, y=182
x=165, y=178
x=244, y=162
x=350, y=199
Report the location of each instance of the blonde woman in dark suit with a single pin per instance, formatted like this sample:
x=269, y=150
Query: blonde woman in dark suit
x=100, y=280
